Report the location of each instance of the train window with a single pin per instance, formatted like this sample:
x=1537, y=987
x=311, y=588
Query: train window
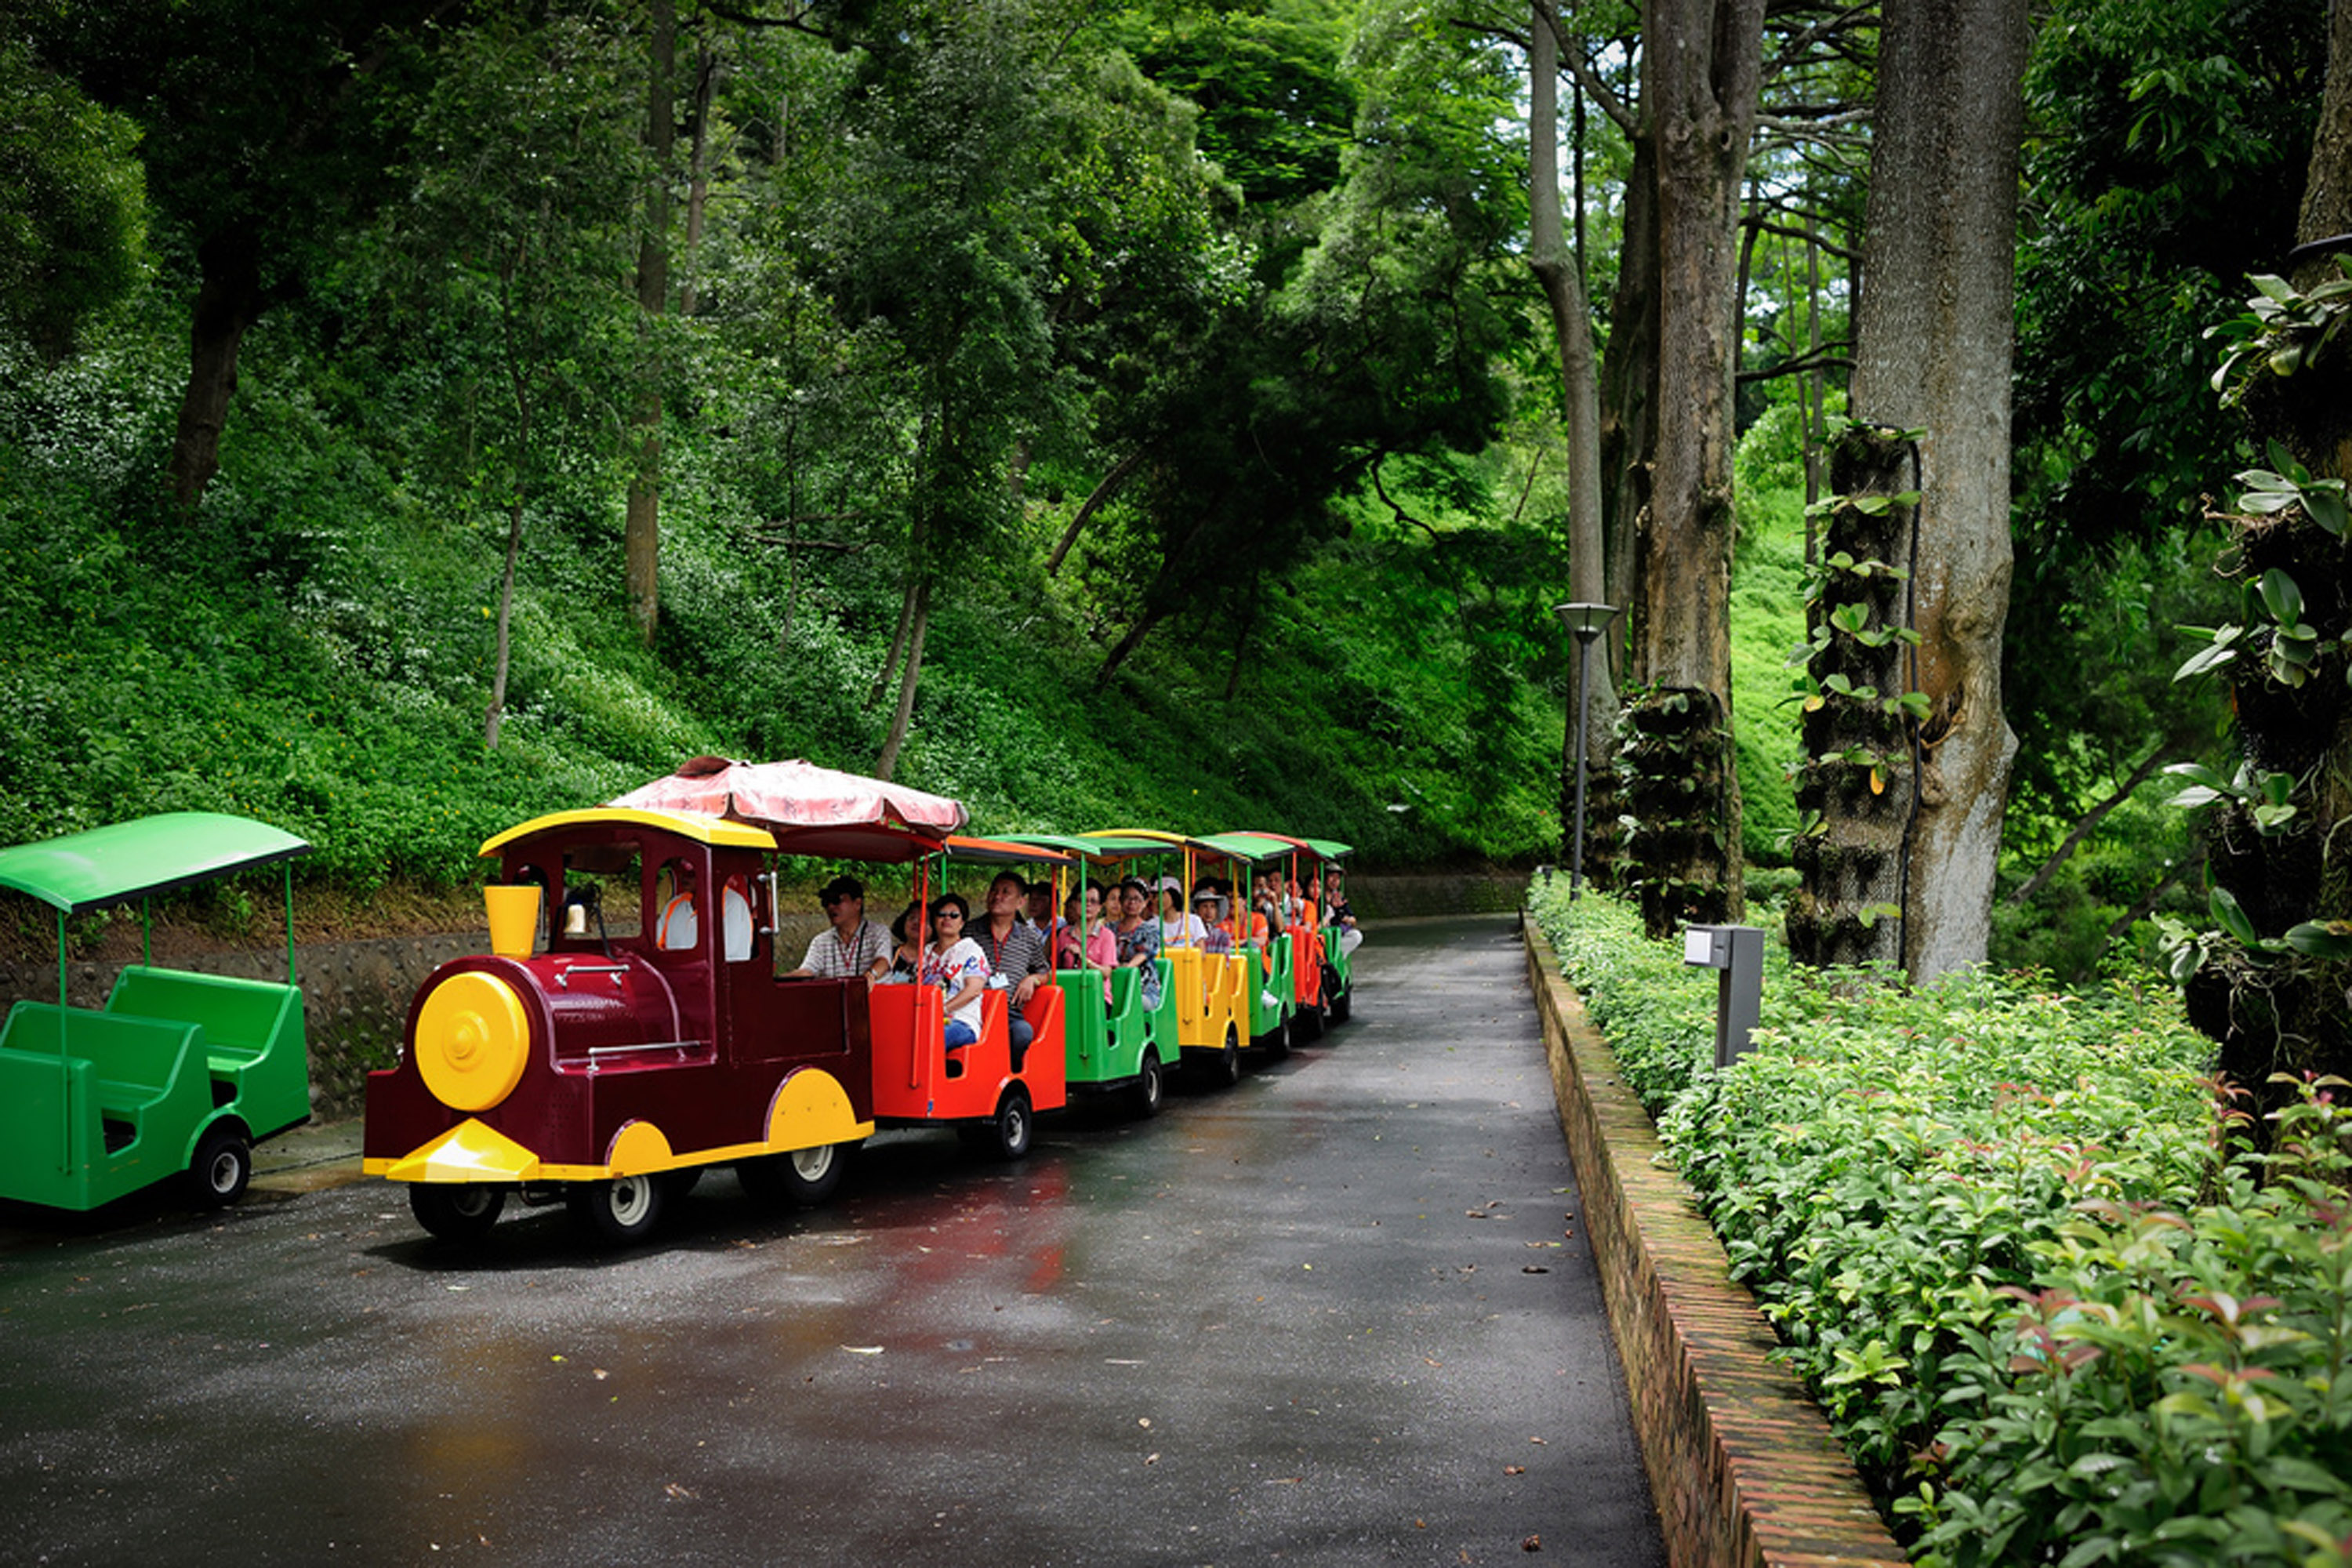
x=602, y=881
x=678, y=924
x=737, y=926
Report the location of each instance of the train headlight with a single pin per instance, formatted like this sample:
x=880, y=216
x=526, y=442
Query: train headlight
x=472, y=1040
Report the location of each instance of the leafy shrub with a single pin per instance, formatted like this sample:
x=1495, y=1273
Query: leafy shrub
x=2049, y=1321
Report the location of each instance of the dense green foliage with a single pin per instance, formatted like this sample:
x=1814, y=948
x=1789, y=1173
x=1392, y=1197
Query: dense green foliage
x=958, y=263
x=1989, y=1219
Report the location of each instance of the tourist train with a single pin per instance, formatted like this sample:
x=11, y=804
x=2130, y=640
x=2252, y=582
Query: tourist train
x=633, y=1024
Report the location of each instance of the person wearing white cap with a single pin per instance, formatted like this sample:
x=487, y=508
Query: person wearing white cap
x=1178, y=926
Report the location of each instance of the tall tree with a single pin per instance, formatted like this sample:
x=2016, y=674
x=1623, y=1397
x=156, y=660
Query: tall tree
x=1561, y=273
x=512, y=254
x=1932, y=356
x=1700, y=69
x=270, y=127
x=641, y=534
x=2271, y=986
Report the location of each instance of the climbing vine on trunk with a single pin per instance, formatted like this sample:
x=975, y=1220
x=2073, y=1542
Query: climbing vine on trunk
x=1858, y=778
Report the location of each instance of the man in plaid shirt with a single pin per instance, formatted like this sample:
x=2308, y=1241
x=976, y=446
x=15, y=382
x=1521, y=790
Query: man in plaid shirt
x=852, y=945
x=1016, y=956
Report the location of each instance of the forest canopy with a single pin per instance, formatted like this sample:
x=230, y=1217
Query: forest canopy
x=416, y=416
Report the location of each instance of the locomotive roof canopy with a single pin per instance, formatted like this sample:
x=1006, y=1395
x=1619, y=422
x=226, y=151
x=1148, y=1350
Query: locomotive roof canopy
x=685, y=824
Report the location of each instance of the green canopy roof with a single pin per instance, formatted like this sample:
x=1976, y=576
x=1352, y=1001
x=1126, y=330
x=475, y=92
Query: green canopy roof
x=112, y=864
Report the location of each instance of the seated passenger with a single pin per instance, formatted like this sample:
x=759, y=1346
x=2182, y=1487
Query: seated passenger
x=1209, y=909
x=850, y=945
x=1336, y=910
x=954, y=964
x=1177, y=927
x=1137, y=935
x=909, y=932
x=1097, y=949
x=1017, y=962
x=1040, y=911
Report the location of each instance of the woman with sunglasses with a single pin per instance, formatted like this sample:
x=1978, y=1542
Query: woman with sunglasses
x=955, y=965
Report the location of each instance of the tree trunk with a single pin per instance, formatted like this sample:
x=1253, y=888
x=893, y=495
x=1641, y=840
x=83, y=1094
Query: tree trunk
x=228, y=301
x=641, y=536
x=698, y=180
x=1933, y=333
x=1700, y=66
x=1111, y=482
x=887, y=763
x=2273, y=1013
x=506, y=621
x=510, y=343
x=2083, y=828
x=1629, y=387
x=1558, y=270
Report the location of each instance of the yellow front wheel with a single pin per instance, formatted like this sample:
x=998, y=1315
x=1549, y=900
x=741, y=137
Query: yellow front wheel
x=473, y=1040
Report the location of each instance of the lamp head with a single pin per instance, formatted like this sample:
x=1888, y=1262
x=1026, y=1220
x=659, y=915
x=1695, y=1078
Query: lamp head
x=1586, y=620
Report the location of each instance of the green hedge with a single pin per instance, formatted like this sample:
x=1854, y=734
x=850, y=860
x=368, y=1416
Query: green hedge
x=2049, y=1321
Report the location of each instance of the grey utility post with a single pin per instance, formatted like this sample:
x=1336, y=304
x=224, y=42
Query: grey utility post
x=1737, y=955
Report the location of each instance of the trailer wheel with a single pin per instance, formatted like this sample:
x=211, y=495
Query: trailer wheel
x=223, y=1165
x=801, y=1178
x=1151, y=1086
x=1339, y=1001
x=1276, y=1040
x=624, y=1209
x=463, y=1212
x=1226, y=1071
x=1307, y=1023
x=1009, y=1131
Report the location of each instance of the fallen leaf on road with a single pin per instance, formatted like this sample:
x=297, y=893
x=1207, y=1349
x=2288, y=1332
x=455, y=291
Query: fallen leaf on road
x=673, y=1489
x=1514, y=1470
x=1532, y=1544
x=863, y=1350
x=1150, y=1459
x=1533, y=1269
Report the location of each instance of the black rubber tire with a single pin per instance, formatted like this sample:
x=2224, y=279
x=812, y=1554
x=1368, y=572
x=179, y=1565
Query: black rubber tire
x=620, y=1211
x=1337, y=997
x=1276, y=1042
x=1012, y=1129
x=223, y=1165
x=1150, y=1090
x=681, y=1182
x=1306, y=1025
x=801, y=1179
x=1224, y=1069
x=457, y=1212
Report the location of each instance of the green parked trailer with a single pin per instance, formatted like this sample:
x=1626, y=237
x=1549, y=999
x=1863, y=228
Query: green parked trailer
x=180, y=1074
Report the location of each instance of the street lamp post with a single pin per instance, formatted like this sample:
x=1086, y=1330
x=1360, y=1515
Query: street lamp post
x=1585, y=622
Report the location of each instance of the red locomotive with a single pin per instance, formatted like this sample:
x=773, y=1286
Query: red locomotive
x=651, y=1036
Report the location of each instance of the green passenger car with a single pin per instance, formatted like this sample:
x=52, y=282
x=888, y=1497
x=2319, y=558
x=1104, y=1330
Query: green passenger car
x=179, y=1074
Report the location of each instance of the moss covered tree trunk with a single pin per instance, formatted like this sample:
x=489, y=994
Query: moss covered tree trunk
x=1932, y=347
x=1700, y=68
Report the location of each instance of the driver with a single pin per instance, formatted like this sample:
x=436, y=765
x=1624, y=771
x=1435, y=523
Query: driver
x=850, y=945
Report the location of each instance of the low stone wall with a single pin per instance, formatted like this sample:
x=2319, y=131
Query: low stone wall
x=1741, y=1462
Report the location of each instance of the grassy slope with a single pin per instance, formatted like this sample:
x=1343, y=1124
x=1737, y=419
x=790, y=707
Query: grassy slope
x=317, y=649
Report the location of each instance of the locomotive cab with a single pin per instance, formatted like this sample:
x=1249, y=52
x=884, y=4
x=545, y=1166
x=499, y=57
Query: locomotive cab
x=626, y=1029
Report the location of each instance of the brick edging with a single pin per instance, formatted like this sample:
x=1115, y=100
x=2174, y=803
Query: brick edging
x=1741, y=1462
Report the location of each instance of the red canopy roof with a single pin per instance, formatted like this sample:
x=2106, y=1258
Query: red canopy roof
x=811, y=810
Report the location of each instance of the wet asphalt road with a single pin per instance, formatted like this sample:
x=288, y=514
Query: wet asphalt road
x=1343, y=1313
